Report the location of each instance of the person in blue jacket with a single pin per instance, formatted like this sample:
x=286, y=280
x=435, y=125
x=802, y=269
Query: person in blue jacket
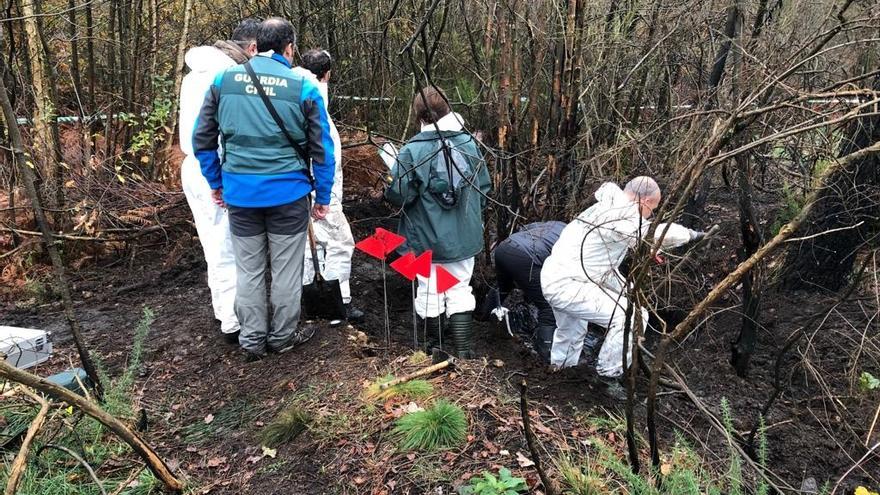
x=264, y=181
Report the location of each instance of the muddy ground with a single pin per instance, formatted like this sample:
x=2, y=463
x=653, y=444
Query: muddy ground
x=817, y=429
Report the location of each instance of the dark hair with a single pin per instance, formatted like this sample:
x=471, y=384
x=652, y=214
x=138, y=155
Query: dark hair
x=275, y=34
x=318, y=61
x=247, y=29
x=432, y=107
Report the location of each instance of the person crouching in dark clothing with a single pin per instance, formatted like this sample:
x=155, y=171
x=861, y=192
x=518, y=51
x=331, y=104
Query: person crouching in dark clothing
x=518, y=262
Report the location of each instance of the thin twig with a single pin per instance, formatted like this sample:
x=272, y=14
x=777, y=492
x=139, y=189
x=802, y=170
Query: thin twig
x=79, y=459
x=549, y=487
x=857, y=464
x=131, y=477
x=716, y=423
x=20, y=462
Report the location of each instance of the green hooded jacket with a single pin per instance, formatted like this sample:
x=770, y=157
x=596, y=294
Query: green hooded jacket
x=453, y=232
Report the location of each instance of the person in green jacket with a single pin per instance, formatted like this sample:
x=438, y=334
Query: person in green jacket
x=440, y=181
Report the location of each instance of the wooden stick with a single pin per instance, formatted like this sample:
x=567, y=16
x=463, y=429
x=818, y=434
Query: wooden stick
x=156, y=464
x=549, y=487
x=131, y=477
x=873, y=424
x=18, y=466
x=422, y=372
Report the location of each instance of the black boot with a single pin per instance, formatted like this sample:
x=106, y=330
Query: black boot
x=461, y=328
x=353, y=314
x=431, y=333
x=544, y=341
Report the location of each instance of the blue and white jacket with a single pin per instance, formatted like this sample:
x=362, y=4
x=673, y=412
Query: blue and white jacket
x=259, y=167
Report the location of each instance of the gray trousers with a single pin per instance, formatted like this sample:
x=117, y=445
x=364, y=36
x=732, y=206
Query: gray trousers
x=276, y=235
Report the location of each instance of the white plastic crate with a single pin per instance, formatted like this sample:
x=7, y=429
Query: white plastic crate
x=24, y=347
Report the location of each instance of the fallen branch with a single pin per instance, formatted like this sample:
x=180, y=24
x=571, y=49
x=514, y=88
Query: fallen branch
x=156, y=464
x=20, y=462
x=549, y=487
x=13, y=251
x=82, y=462
x=71, y=237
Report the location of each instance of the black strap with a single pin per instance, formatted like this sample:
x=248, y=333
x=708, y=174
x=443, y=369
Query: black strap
x=269, y=106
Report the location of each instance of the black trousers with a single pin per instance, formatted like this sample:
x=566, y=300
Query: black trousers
x=516, y=269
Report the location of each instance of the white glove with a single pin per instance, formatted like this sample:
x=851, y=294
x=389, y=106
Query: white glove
x=500, y=312
x=388, y=153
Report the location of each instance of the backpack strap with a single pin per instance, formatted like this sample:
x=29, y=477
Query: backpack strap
x=277, y=118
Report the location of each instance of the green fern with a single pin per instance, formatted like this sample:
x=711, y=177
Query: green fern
x=442, y=426
x=762, y=488
x=734, y=474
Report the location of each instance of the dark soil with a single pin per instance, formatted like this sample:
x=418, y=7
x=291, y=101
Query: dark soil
x=817, y=428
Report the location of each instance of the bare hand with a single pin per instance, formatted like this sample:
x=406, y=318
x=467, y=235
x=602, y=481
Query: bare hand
x=319, y=212
x=217, y=197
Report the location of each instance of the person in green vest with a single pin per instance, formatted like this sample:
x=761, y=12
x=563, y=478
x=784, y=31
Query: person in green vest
x=440, y=181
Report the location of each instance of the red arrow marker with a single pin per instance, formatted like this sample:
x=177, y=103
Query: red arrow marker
x=422, y=264
x=389, y=239
x=403, y=266
x=373, y=247
x=445, y=280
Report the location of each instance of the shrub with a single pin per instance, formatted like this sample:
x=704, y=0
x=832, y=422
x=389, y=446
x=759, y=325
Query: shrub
x=442, y=426
x=488, y=484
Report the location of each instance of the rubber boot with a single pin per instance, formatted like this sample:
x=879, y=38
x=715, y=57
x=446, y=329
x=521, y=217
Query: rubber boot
x=614, y=387
x=461, y=329
x=544, y=341
x=431, y=336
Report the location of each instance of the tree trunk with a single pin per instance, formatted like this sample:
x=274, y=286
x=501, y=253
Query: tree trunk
x=44, y=110
x=696, y=206
x=20, y=161
x=742, y=349
x=825, y=261
x=178, y=69
x=90, y=55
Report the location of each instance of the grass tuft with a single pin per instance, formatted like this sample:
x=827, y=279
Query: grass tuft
x=413, y=389
x=442, y=426
x=288, y=425
x=417, y=357
x=580, y=481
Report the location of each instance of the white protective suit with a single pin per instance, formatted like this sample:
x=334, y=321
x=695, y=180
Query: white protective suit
x=212, y=222
x=581, y=281
x=333, y=238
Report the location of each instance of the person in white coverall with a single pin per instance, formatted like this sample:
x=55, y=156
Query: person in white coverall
x=580, y=278
x=333, y=238
x=212, y=222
